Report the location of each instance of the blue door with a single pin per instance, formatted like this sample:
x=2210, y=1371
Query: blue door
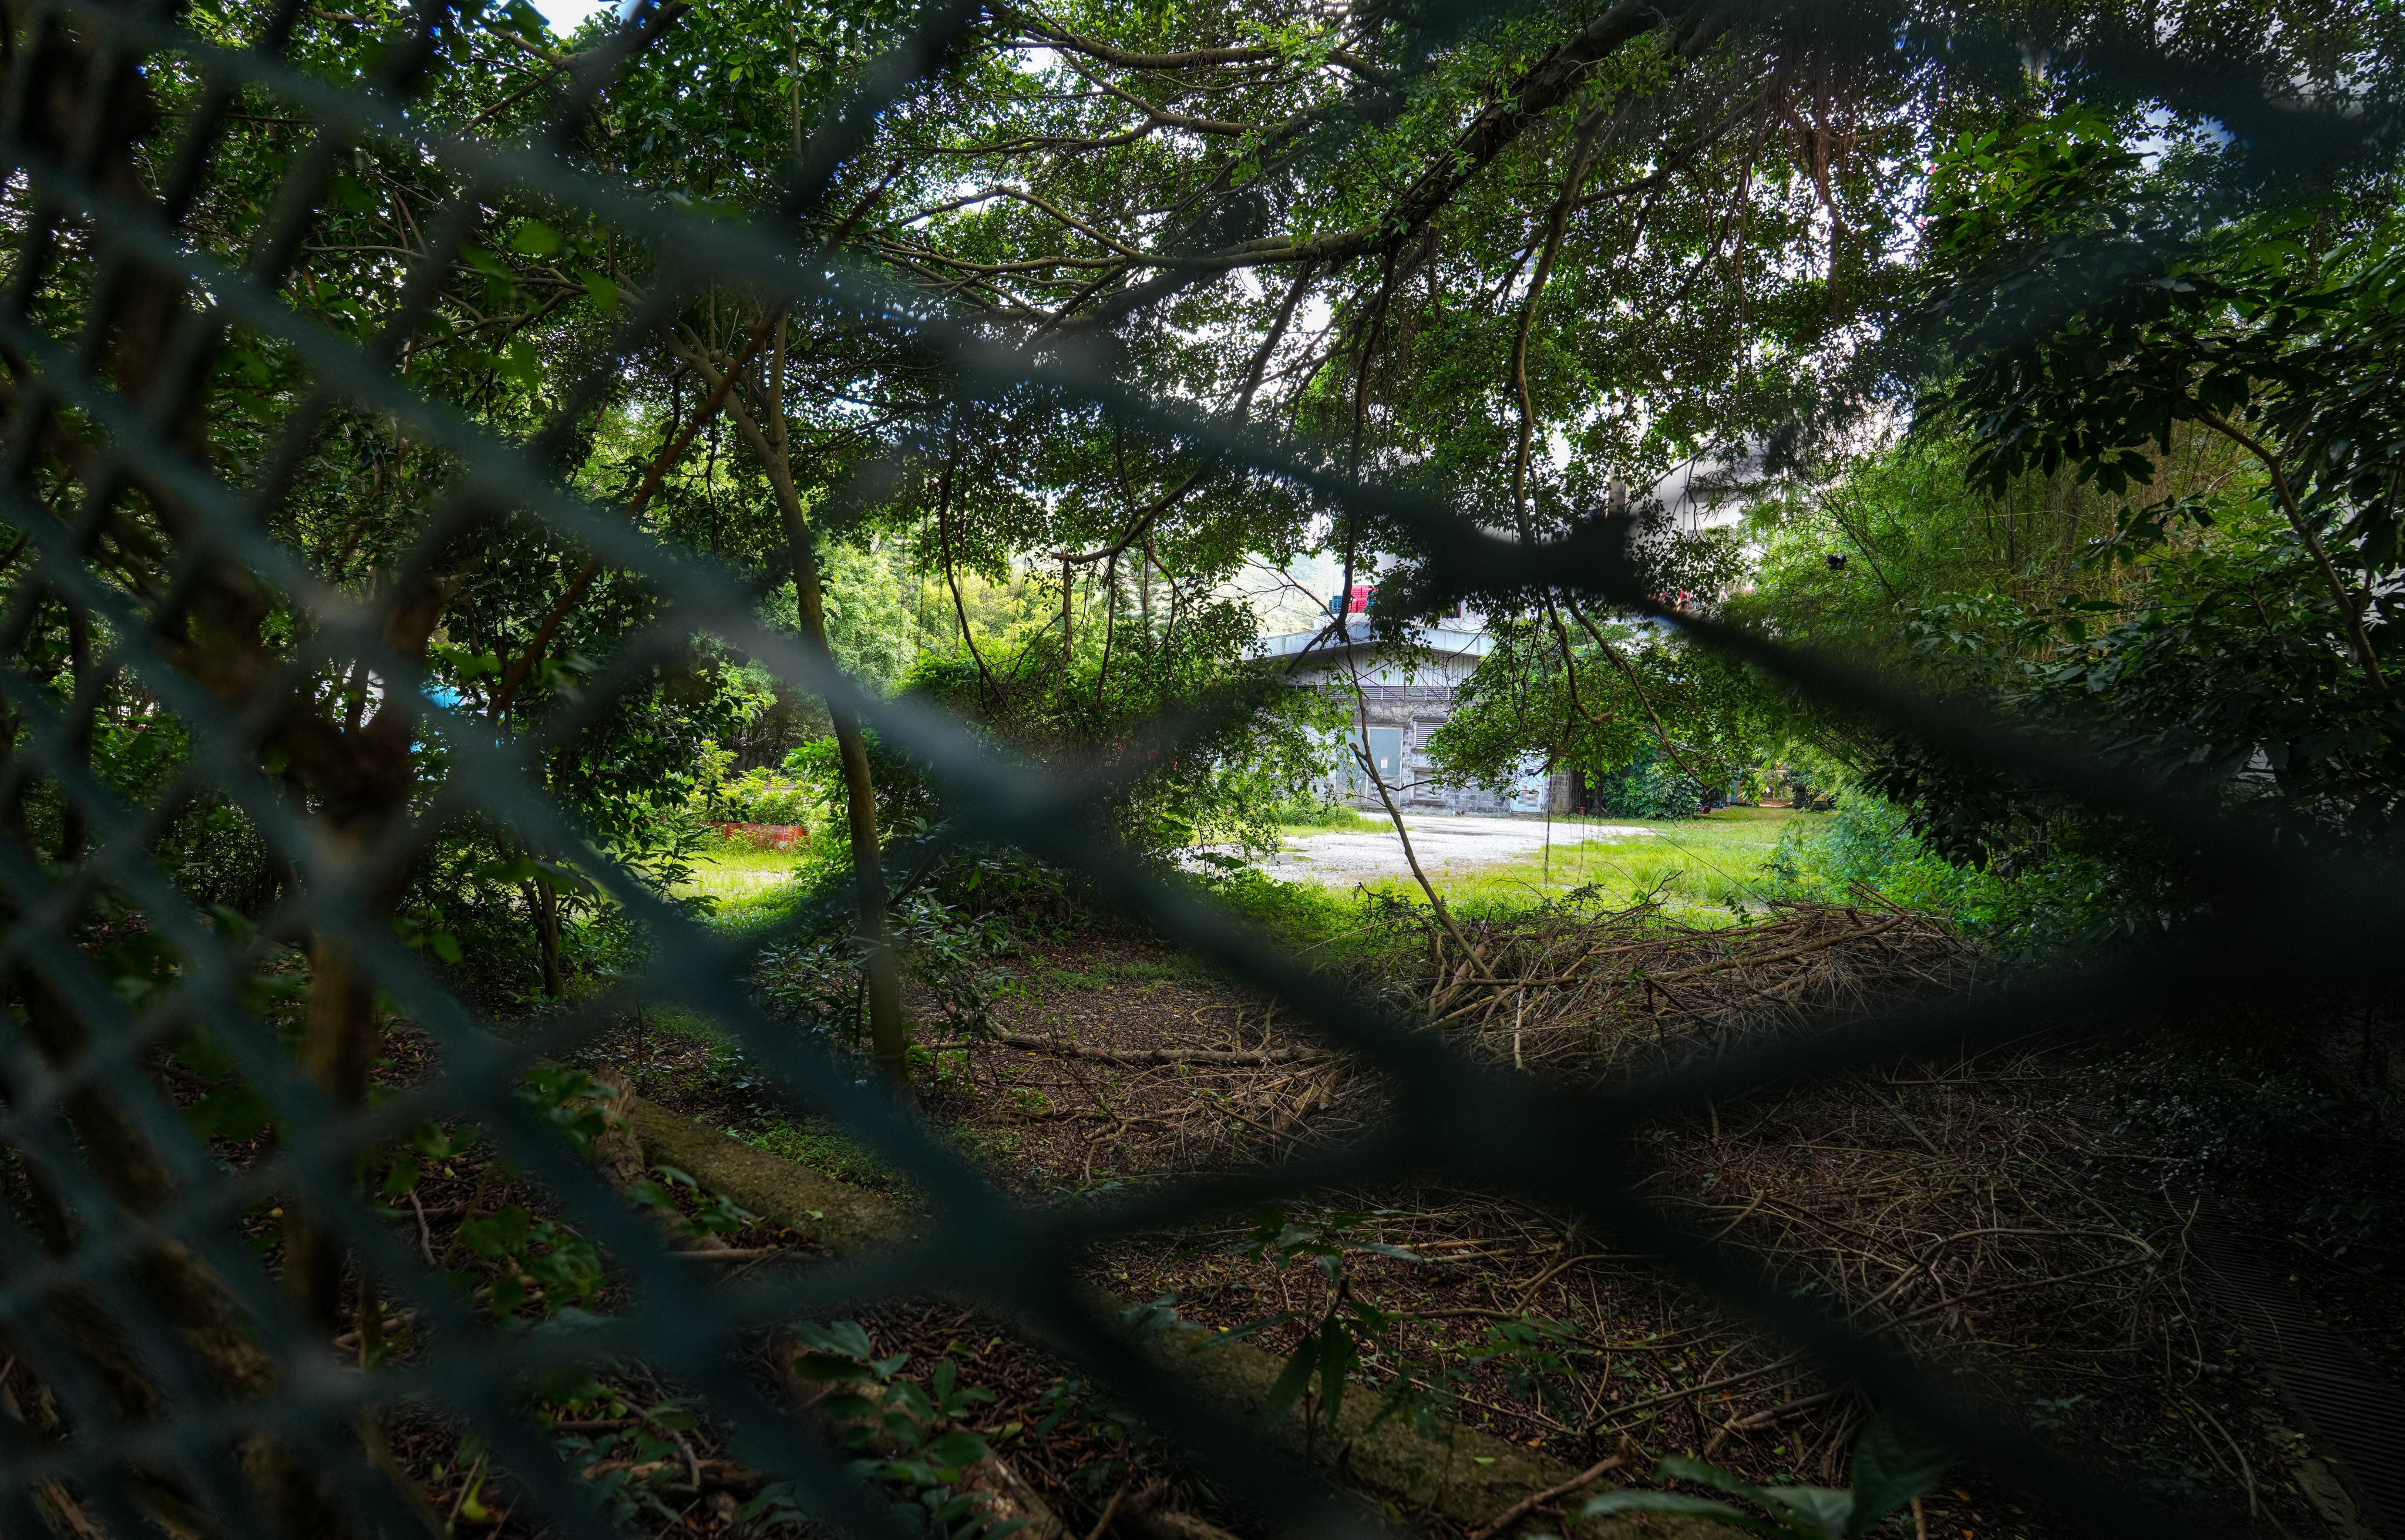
x=1386, y=753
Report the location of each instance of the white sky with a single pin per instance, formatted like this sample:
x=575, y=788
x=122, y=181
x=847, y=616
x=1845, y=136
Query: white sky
x=566, y=16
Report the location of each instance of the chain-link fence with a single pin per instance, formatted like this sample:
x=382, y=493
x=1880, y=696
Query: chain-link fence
x=193, y=1393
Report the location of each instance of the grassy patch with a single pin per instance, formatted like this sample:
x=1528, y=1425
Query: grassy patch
x=1175, y=968
x=1700, y=867
x=675, y=1020
x=1321, y=820
x=1106, y=972
x=1302, y=913
x=748, y=883
x=821, y=1146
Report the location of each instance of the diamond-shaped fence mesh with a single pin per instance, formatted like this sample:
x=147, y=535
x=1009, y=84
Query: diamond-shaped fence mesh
x=149, y=497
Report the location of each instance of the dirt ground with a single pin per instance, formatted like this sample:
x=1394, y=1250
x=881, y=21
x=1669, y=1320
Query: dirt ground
x=1970, y=1211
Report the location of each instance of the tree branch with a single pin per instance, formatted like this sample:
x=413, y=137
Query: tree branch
x=524, y=663
x=2350, y=605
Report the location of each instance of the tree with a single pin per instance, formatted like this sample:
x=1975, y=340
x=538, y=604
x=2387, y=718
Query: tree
x=2256, y=640
x=1496, y=260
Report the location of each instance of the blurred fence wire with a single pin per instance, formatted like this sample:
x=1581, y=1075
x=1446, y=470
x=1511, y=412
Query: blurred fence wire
x=194, y=1395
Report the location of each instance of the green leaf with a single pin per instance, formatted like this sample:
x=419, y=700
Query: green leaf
x=231, y=1111
x=958, y=1449
x=535, y=239
x=847, y=1406
x=1687, y=1468
x=429, y=1140
x=498, y=1234
x=520, y=362
x=1816, y=1511
x=1681, y=1503
x=845, y=1338
x=1337, y=1356
x=401, y=1178
x=518, y=868
x=200, y=1054
x=604, y=293
x=1291, y=1383
x=1893, y=1465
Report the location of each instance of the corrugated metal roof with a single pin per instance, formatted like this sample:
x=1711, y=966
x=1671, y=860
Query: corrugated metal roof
x=1443, y=641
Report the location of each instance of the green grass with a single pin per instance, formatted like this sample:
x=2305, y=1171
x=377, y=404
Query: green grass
x=1109, y=972
x=747, y=881
x=1699, y=866
x=1322, y=820
x=821, y=1146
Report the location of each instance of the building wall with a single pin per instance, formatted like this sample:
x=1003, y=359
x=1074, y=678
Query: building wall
x=1413, y=701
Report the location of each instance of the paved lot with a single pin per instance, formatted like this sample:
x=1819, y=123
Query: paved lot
x=1345, y=856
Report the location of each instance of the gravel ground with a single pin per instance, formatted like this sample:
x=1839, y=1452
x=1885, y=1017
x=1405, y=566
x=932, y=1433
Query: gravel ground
x=1444, y=843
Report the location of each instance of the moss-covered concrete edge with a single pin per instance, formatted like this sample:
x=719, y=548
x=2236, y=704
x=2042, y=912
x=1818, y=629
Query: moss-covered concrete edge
x=820, y=1208
x=1463, y=1479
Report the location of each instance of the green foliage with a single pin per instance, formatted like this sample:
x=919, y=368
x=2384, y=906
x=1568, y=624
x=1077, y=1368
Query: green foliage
x=1649, y=788
x=2250, y=642
x=697, y=1215
x=229, y=1108
x=1935, y=571
x=1299, y=914
x=1307, y=812
x=639, y=1470
x=1605, y=694
x=1352, y=1330
x=1200, y=745
x=871, y=627
x=908, y=1435
x=1060, y=578
x=818, y=980
x=1891, y=1468
x=757, y=796
x=2075, y=889
x=523, y=1253
x=1332, y=1348
x=2233, y=664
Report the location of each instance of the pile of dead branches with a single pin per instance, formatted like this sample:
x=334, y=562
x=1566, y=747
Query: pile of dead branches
x=1555, y=991
x=1565, y=990
x=1959, y=1210
x=1948, y=1206
x=1971, y=1214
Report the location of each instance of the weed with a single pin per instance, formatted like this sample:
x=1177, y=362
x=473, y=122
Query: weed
x=821, y=1146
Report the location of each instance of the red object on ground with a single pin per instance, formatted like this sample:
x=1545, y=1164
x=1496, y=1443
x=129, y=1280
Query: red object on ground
x=766, y=836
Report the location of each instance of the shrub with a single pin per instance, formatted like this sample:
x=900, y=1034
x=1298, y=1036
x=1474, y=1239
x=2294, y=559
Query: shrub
x=1649, y=789
x=758, y=795
x=1313, y=812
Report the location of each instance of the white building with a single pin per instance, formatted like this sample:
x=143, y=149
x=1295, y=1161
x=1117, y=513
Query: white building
x=1400, y=697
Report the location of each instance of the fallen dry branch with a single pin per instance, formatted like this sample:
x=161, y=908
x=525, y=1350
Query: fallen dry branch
x=1138, y=1058
x=1534, y=1501
x=1946, y=1207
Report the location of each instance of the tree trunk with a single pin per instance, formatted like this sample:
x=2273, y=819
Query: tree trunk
x=542, y=903
x=889, y=1037
x=338, y=1049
